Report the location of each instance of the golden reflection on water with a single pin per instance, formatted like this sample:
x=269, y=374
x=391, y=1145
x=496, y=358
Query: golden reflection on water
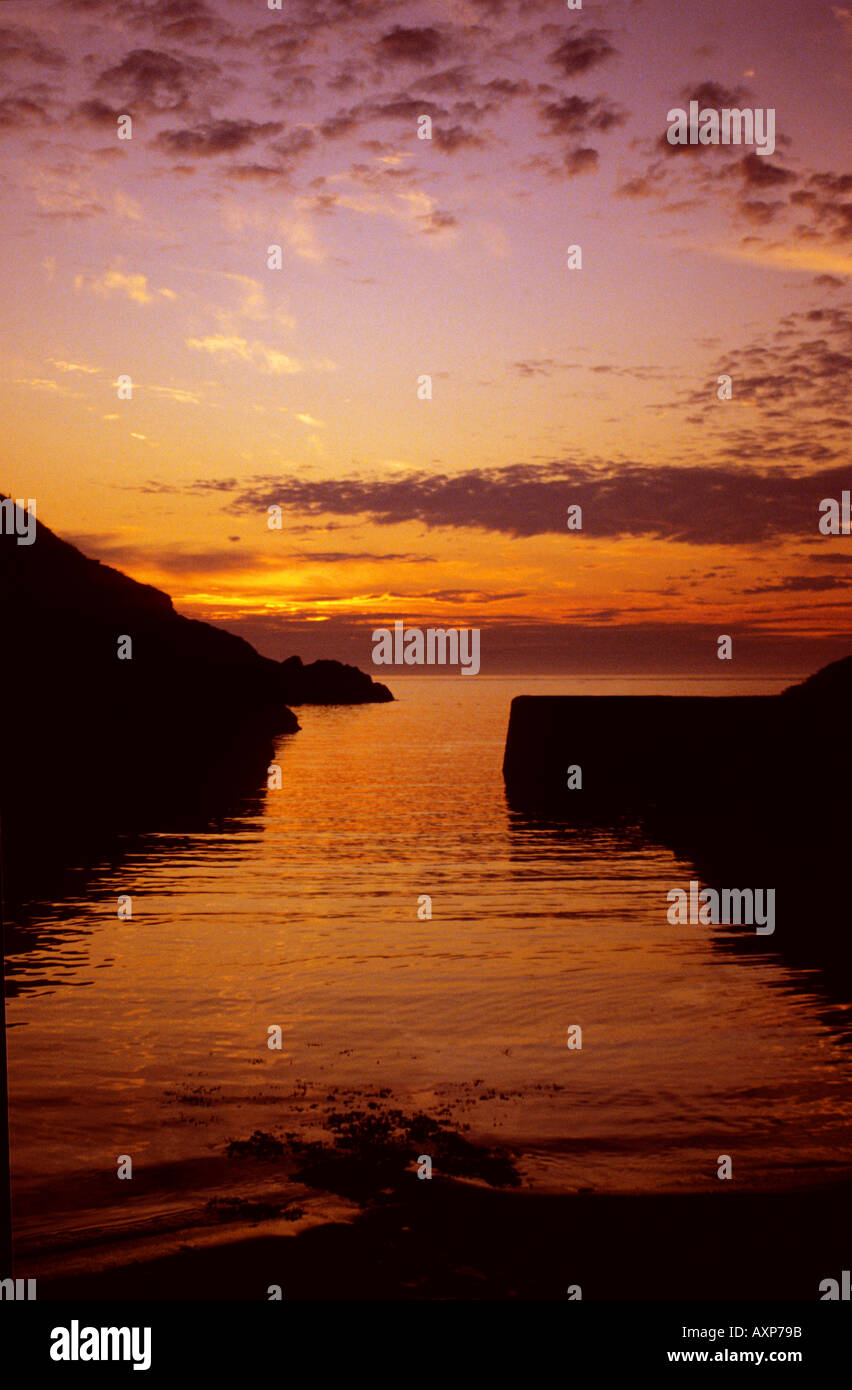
x=149, y=1037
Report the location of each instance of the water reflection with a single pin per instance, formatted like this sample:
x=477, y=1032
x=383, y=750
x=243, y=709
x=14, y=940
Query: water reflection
x=299, y=907
x=811, y=939
x=57, y=871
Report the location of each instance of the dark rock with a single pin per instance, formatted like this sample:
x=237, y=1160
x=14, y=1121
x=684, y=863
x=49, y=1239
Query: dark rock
x=100, y=743
x=754, y=790
x=329, y=683
x=97, y=746
x=786, y=754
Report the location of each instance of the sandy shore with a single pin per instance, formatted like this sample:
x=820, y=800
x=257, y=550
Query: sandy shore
x=456, y=1240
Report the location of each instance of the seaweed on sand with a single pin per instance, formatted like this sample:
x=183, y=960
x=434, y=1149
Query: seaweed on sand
x=374, y=1154
x=260, y=1145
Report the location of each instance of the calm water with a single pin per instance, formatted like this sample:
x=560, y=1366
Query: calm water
x=149, y=1037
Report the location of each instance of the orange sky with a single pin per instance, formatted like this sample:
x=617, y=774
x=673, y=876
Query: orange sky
x=403, y=256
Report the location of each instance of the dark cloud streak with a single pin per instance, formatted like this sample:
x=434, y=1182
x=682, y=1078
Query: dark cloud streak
x=696, y=506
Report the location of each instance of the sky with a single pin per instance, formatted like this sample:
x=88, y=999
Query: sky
x=404, y=257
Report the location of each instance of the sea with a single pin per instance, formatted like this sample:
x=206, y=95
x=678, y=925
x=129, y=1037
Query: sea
x=402, y=939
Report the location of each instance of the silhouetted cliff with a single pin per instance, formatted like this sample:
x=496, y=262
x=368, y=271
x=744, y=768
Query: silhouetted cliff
x=116, y=707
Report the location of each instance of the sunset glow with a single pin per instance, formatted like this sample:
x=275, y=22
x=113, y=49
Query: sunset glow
x=402, y=256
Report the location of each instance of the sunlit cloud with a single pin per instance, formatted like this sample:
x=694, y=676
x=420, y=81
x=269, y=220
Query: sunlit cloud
x=64, y=366
x=132, y=284
x=266, y=358
x=409, y=254
x=820, y=259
